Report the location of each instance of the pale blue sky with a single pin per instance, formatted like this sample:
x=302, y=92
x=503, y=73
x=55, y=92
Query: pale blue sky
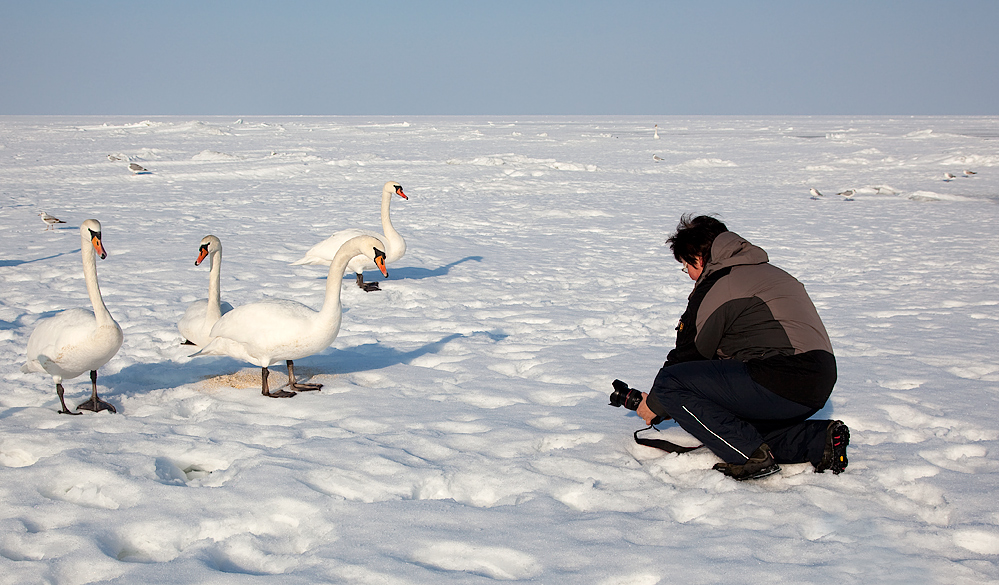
x=499, y=58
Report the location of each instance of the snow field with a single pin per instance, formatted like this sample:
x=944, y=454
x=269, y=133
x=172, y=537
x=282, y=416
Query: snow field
x=463, y=434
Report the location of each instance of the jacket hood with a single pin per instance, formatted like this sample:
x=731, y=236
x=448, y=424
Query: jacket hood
x=731, y=249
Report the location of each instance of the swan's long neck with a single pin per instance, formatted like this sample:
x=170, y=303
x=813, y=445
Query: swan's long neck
x=94, y=289
x=214, y=310
x=334, y=280
x=387, y=228
x=397, y=245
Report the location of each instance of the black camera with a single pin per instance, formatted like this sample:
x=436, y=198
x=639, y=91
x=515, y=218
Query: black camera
x=630, y=399
x=624, y=396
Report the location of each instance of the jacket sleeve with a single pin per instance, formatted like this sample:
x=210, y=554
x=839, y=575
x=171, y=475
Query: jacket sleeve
x=686, y=338
x=692, y=344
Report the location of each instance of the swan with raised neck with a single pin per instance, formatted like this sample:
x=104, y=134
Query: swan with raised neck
x=78, y=340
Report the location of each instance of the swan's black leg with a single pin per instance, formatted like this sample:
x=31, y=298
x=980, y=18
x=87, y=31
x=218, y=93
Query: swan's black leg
x=95, y=403
x=264, y=373
x=64, y=410
x=366, y=286
x=294, y=385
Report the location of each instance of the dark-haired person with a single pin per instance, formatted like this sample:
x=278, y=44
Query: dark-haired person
x=752, y=360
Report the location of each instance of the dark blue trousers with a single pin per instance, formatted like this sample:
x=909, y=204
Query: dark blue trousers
x=718, y=402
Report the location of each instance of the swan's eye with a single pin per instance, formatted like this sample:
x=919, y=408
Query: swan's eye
x=204, y=248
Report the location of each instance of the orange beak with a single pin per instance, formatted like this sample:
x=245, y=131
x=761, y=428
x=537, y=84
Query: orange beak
x=98, y=246
x=380, y=262
x=202, y=254
x=398, y=191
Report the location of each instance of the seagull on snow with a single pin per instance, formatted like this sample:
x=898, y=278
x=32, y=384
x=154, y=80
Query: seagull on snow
x=137, y=169
x=847, y=195
x=815, y=193
x=949, y=176
x=657, y=158
x=969, y=173
x=49, y=220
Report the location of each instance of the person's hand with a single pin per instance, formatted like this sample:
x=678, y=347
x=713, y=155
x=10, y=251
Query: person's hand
x=644, y=411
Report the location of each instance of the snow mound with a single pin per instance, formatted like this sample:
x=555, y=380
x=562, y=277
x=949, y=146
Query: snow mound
x=211, y=155
x=933, y=196
x=708, y=163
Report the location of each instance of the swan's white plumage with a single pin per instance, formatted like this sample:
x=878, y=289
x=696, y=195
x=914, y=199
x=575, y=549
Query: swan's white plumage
x=201, y=315
x=274, y=330
x=392, y=243
x=76, y=340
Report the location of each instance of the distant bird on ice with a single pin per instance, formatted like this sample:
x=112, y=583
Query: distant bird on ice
x=112, y=158
x=949, y=177
x=847, y=195
x=657, y=158
x=138, y=169
x=656, y=135
x=49, y=220
x=969, y=173
x=815, y=193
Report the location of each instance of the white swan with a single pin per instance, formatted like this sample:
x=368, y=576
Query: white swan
x=266, y=332
x=201, y=315
x=77, y=340
x=393, y=244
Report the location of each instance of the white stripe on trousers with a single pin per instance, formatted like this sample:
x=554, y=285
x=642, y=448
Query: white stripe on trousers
x=714, y=433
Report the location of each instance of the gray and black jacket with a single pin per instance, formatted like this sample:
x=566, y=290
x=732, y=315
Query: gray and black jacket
x=745, y=309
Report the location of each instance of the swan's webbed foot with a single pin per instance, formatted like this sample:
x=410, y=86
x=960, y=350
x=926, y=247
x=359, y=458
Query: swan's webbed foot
x=96, y=404
x=305, y=387
x=294, y=384
x=366, y=286
x=62, y=401
x=265, y=389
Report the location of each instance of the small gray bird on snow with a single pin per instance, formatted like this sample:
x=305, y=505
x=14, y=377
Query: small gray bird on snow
x=50, y=221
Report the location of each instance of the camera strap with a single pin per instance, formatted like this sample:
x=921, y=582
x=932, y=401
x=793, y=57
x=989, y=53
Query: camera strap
x=662, y=443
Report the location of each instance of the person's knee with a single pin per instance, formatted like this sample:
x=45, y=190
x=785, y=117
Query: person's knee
x=665, y=394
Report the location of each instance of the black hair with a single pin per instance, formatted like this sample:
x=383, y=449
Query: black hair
x=693, y=238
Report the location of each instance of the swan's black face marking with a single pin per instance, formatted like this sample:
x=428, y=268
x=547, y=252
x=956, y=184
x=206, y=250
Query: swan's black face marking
x=398, y=191
x=202, y=254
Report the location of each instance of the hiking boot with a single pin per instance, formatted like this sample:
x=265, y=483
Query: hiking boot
x=834, y=455
x=761, y=464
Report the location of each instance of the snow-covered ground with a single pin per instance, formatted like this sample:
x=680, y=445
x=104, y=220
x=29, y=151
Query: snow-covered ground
x=463, y=433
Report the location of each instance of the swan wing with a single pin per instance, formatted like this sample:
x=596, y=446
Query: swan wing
x=323, y=252
x=193, y=326
x=71, y=343
x=269, y=331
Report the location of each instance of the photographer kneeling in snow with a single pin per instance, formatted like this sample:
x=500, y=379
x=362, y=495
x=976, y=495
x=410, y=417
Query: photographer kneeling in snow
x=752, y=360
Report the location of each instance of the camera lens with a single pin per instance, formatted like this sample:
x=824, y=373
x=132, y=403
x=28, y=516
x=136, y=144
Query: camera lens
x=625, y=396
